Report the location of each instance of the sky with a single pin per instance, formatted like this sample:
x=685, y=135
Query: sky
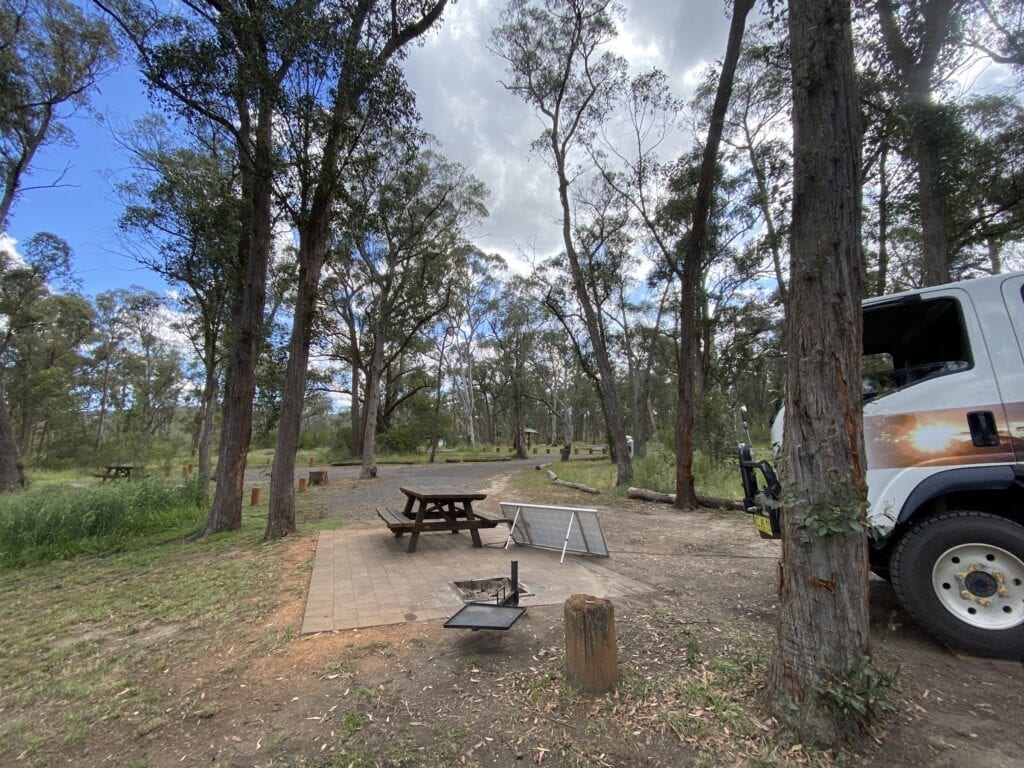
x=456, y=78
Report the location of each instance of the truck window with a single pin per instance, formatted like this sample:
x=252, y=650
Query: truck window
x=909, y=342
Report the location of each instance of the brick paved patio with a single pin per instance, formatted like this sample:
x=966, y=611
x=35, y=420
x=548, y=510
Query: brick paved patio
x=363, y=577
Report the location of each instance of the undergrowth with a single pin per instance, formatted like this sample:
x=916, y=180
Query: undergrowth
x=54, y=522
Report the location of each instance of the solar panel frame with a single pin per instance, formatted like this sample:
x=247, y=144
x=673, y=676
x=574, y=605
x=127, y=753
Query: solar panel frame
x=563, y=529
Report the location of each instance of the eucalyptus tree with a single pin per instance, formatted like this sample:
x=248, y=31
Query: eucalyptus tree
x=921, y=45
x=52, y=55
x=181, y=220
x=45, y=375
x=513, y=335
x=688, y=267
x=345, y=82
x=137, y=371
x=558, y=62
x=223, y=63
x=477, y=299
x=755, y=135
x=400, y=265
x=998, y=31
x=23, y=288
x=821, y=642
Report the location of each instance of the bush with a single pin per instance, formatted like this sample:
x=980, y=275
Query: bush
x=56, y=522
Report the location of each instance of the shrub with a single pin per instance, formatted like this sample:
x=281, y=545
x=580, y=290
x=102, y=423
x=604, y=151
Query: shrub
x=56, y=522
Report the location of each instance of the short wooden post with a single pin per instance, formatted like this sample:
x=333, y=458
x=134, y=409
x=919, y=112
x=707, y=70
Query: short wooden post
x=576, y=451
x=191, y=469
x=591, y=649
x=184, y=471
x=311, y=462
x=302, y=484
x=590, y=451
x=534, y=450
x=254, y=496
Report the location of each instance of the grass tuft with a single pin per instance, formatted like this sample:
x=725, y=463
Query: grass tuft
x=55, y=523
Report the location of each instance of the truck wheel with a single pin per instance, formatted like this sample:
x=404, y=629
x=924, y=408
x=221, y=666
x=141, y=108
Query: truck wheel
x=961, y=576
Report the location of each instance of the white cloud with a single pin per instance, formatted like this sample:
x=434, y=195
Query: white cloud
x=8, y=245
x=481, y=125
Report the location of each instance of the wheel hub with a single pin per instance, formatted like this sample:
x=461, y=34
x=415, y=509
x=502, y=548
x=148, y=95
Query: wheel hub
x=982, y=585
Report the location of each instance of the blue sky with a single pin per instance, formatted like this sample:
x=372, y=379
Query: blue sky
x=477, y=123
x=84, y=211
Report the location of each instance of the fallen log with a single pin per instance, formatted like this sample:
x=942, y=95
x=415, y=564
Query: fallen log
x=544, y=466
x=670, y=498
x=577, y=486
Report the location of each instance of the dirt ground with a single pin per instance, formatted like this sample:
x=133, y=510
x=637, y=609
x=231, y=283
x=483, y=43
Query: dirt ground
x=693, y=657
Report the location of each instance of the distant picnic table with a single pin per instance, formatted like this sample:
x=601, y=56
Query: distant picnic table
x=117, y=471
x=437, y=509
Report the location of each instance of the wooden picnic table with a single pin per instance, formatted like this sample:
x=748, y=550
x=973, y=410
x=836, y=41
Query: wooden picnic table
x=116, y=471
x=435, y=509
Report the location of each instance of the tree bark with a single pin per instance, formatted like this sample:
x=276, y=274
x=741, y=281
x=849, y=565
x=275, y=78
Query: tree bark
x=822, y=629
x=883, y=221
x=247, y=328
x=206, y=429
x=281, y=514
x=371, y=404
x=606, y=377
x=12, y=475
x=916, y=66
x=691, y=277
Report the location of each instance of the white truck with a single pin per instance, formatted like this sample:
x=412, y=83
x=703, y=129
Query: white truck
x=944, y=436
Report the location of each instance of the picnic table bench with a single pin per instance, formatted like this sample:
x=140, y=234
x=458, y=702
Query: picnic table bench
x=431, y=510
x=116, y=472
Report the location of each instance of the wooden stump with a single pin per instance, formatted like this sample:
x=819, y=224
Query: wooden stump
x=318, y=477
x=302, y=484
x=591, y=649
x=254, y=497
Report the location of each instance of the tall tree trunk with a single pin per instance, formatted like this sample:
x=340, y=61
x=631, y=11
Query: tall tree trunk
x=354, y=415
x=764, y=203
x=281, y=513
x=883, y=221
x=519, y=407
x=371, y=404
x=247, y=331
x=916, y=66
x=435, y=437
x=104, y=399
x=12, y=475
x=934, y=241
x=822, y=629
x=686, y=492
x=606, y=385
x=206, y=428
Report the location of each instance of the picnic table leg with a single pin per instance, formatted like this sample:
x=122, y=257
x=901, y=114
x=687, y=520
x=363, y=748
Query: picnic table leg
x=415, y=537
x=474, y=531
x=452, y=515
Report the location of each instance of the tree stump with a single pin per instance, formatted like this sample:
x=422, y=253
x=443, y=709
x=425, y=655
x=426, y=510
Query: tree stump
x=302, y=484
x=591, y=649
x=254, y=497
x=318, y=477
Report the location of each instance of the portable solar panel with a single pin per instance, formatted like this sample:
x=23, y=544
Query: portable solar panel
x=564, y=529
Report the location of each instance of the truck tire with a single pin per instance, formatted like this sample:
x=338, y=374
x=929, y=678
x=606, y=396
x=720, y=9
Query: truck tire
x=961, y=576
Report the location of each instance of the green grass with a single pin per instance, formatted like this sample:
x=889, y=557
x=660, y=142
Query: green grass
x=87, y=641
x=656, y=471
x=55, y=522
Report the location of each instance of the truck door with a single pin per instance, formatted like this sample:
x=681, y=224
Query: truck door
x=932, y=401
x=1009, y=358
